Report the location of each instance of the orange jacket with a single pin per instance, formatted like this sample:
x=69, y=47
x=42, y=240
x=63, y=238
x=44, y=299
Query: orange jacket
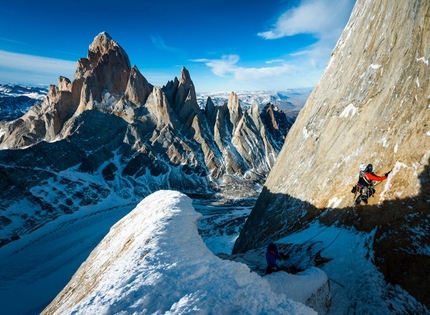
x=371, y=176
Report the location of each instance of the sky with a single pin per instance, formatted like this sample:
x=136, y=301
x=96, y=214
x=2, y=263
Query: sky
x=225, y=45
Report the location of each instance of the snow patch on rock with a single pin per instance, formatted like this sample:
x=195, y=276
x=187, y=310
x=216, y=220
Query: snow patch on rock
x=334, y=202
x=307, y=281
x=397, y=167
x=349, y=109
x=426, y=61
x=374, y=67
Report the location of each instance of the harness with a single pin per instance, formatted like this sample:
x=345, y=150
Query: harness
x=364, y=186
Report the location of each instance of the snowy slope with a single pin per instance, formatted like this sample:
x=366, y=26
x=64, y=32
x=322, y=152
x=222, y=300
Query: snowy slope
x=16, y=100
x=357, y=286
x=154, y=261
x=36, y=267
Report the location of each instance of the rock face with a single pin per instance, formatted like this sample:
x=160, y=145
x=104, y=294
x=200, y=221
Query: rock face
x=370, y=106
x=110, y=136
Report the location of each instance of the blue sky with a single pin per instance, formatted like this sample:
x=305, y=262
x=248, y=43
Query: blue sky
x=225, y=45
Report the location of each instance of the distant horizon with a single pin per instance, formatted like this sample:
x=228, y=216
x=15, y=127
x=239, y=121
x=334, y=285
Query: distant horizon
x=227, y=46
x=204, y=92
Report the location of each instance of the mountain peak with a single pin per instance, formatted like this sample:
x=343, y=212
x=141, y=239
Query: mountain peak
x=158, y=132
x=102, y=43
x=104, y=34
x=185, y=76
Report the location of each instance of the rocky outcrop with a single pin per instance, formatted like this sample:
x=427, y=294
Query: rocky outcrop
x=122, y=138
x=370, y=106
x=276, y=121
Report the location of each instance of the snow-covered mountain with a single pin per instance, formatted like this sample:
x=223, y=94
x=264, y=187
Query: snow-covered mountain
x=16, y=100
x=289, y=101
x=109, y=132
x=371, y=106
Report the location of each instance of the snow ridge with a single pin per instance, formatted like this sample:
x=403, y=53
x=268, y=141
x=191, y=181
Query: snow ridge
x=154, y=261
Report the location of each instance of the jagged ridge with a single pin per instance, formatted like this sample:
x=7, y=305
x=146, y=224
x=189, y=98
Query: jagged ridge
x=110, y=134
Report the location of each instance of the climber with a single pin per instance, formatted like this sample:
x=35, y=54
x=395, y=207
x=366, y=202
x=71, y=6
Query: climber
x=272, y=254
x=365, y=185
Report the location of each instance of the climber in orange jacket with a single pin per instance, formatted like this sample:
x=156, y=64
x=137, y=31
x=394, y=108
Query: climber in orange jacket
x=365, y=183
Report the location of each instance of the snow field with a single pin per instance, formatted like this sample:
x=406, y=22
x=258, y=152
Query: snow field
x=357, y=287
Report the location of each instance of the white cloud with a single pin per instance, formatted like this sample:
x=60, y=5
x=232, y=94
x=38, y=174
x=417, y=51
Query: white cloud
x=317, y=17
x=320, y=18
x=227, y=65
x=275, y=61
x=31, y=69
x=221, y=67
x=282, y=76
x=35, y=63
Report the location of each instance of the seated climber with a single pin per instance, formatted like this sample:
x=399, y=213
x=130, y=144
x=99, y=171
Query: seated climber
x=272, y=254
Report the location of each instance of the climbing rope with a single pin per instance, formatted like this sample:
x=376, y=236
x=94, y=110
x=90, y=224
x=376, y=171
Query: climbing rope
x=317, y=257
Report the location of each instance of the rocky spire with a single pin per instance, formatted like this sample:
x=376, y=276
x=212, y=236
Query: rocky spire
x=101, y=44
x=210, y=112
x=185, y=103
x=234, y=109
x=106, y=68
x=138, y=88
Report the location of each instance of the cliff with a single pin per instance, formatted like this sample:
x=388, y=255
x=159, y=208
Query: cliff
x=370, y=106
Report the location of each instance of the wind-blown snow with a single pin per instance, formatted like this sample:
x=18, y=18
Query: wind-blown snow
x=334, y=202
x=299, y=288
x=388, y=184
x=154, y=261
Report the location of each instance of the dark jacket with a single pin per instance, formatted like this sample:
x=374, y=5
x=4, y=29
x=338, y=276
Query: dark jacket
x=271, y=255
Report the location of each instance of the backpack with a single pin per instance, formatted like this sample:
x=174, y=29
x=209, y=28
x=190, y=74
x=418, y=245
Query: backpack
x=361, y=175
